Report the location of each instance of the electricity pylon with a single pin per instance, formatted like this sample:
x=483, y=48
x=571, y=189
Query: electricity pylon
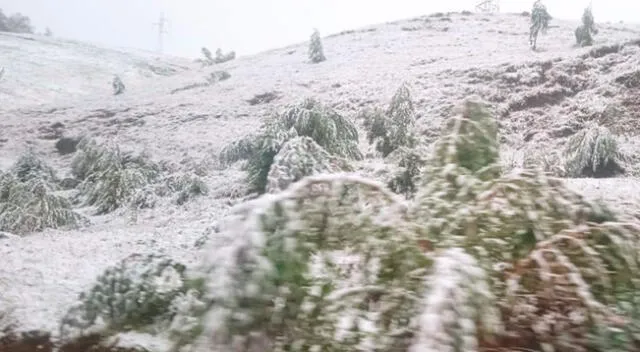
x=161, y=31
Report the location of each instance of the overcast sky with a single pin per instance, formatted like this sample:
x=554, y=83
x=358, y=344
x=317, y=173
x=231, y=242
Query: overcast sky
x=251, y=26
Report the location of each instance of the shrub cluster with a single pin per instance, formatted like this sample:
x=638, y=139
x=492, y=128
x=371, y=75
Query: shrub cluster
x=331, y=133
x=28, y=201
x=392, y=128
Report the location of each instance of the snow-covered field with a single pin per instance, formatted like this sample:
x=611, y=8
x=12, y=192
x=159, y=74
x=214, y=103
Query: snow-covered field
x=50, y=81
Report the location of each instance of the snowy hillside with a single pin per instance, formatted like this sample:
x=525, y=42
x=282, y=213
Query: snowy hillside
x=45, y=70
x=170, y=112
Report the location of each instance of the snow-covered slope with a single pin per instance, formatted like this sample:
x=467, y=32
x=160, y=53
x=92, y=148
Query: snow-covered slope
x=45, y=70
x=443, y=58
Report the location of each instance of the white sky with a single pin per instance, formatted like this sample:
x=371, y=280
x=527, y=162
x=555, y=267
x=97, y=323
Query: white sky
x=251, y=26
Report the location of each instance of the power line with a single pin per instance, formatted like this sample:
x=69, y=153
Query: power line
x=161, y=31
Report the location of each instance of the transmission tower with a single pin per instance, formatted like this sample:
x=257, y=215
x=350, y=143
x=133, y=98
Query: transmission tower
x=161, y=31
x=488, y=6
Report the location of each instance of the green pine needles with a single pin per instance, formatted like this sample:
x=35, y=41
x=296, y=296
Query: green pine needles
x=31, y=206
x=593, y=152
x=477, y=260
x=392, y=128
x=110, y=178
x=134, y=294
x=300, y=157
x=331, y=131
x=28, y=202
x=406, y=179
x=29, y=166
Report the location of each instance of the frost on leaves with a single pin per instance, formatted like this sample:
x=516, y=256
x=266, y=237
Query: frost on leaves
x=558, y=265
x=392, y=129
x=110, y=178
x=406, y=177
x=331, y=131
x=31, y=206
x=458, y=307
x=29, y=166
x=593, y=151
x=300, y=157
x=137, y=293
x=281, y=282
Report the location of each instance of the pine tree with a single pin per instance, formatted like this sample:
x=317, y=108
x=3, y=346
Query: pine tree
x=118, y=85
x=207, y=55
x=336, y=134
x=316, y=52
x=392, y=129
x=593, y=151
x=583, y=32
x=539, y=22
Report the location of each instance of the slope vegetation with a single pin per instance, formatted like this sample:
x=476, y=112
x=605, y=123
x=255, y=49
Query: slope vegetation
x=176, y=119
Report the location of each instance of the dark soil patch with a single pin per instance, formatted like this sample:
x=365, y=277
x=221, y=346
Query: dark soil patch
x=263, y=98
x=610, y=169
x=67, y=145
x=30, y=341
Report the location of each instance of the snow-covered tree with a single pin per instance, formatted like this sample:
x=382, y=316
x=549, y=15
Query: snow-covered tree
x=330, y=130
x=30, y=166
x=31, y=206
x=539, y=22
x=135, y=294
x=110, y=177
x=316, y=52
x=207, y=56
x=392, y=128
x=592, y=151
x=406, y=179
x=300, y=157
x=583, y=32
x=118, y=85
x=282, y=282
x=221, y=57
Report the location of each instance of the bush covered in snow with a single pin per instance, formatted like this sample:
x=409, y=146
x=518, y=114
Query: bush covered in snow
x=118, y=85
x=392, y=128
x=110, y=178
x=221, y=57
x=135, y=294
x=477, y=260
x=316, y=52
x=29, y=166
x=593, y=151
x=331, y=131
x=17, y=23
x=300, y=157
x=301, y=267
x=30, y=205
x=584, y=32
x=406, y=178
x=185, y=187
